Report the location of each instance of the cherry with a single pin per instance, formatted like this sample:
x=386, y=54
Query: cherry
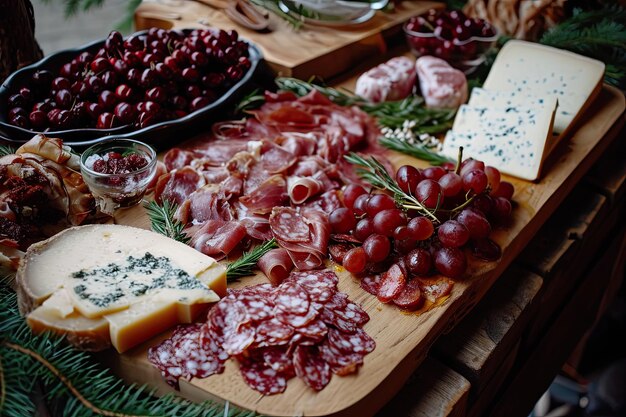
x=125, y=112
x=106, y=120
x=123, y=92
x=38, y=119
x=107, y=99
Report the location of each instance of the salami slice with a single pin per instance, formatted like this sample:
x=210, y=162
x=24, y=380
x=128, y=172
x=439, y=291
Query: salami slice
x=411, y=297
x=258, y=304
x=371, y=283
x=272, y=332
x=434, y=288
x=357, y=342
x=321, y=285
x=278, y=359
x=288, y=225
x=341, y=363
x=392, y=284
x=315, y=330
x=311, y=367
x=292, y=305
x=238, y=339
x=344, y=315
x=261, y=377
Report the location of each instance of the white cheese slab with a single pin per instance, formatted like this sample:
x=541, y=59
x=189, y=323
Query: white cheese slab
x=540, y=70
x=512, y=139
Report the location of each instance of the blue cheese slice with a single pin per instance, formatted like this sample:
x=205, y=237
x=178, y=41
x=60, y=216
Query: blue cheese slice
x=512, y=139
x=531, y=68
x=503, y=99
x=134, y=282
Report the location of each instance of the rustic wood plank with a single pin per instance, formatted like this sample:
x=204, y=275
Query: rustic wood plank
x=479, y=345
x=312, y=50
x=434, y=390
x=401, y=347
x=608, y=175
x=536, y=371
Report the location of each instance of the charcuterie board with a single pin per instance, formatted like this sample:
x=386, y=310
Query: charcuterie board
x=311, y=50
x=403, y=339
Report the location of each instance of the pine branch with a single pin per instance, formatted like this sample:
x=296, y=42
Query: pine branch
x=163, y=221
x=246, y=265
x=6, y=150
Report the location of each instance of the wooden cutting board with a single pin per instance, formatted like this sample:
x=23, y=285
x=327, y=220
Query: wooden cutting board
x=402, y=339
x=313, y=50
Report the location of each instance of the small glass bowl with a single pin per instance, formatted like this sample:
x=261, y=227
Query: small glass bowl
x=113, y=191
x=464, y=55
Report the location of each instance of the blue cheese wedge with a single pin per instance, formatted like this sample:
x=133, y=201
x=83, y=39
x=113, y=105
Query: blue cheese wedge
x=127, y=283
x=512, y=139
x=539, y=70
x=503, y=99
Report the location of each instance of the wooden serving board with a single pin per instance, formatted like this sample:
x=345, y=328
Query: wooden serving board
x=402, y=339
x=313, y=50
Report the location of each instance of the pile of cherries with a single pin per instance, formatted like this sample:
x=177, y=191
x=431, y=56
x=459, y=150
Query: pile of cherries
x=116, y=163
x=462, y=207
x=456, y=36
x=144, y=79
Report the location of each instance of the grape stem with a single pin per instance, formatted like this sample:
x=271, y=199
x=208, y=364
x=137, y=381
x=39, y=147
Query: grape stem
x=459, y=160
x=372, y=171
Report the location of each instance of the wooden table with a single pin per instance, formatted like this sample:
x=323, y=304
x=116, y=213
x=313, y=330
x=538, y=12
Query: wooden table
x=518, y=310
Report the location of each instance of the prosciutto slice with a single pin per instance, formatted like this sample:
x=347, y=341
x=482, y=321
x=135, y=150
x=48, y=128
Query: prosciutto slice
x=270, y=193
x=217, y=238
x=276, y=265
x=177, y=185
x=300, y=189
x=303, y=233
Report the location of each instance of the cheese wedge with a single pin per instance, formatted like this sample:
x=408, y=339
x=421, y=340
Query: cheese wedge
x=540, y=70
x=511, y=139
x=132, y=282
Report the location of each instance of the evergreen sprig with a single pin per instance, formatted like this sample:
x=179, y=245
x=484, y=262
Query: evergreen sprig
x=6, y=150
x=163, y=220
x=413, y=149
x=599, y=34
x=28, y=361
x=246, y=264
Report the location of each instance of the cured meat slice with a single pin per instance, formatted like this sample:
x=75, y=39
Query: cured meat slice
x=435, y=288
x=177, y=185
x=275, y=159
x=293, y=306
x=288, y=225
x=357, y=342
x=326, y=202
x=269, y=194
x=209, y=203
x=308, y=166
x=392, y=284
x=300, y=189
x=321, y=285
x=218, y=152
x=276, y=265
x=392, y=80
x=442, y=86
x=311, y=367
x=297, y=143
x=343, y=314
x=226, y=315
x=273, y=332
x=177, y=158
x=411, y=297
x=217, y=238
x=341, y=363
x=257, y=225
x=338, y=251
x=278, y=358
x=257, y=302
x=262, y=377
x=316, y=330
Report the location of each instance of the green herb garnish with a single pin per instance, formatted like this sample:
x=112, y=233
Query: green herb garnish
x=163, y=221
x=6, y=150
x=415, y=150
x=246, y=265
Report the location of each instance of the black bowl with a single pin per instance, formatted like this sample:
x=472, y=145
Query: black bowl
x=160, y=135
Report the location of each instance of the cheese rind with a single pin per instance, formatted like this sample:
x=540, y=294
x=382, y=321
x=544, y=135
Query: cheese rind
x=511, y=139
x=132, y=282
x=531, y=68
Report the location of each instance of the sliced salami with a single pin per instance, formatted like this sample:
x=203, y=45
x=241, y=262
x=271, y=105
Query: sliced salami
x=411, y=297
x=261, y=377
x=292, y=304
x=288, y=225
x=357, y=342
x=278, y=359
x=371, y=283
x=273, y=332
x=238, y=339
x=434, y=288
x=341, y=363
x=392, y=284
x=321, y=285
x=258, y=304
x=315, y=330
x=311, y=367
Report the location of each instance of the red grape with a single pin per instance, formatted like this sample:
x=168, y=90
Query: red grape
x=360, y=204
x=453, y=234
x=450, y=262
x=451, y=184
x=434, y=173
x=407, y=178
x=505, y=190
x=350, y=193
x=428, y=192
x=476, y=224
x=501, y=211
x=355, y=260
x=401, y=232
x=377, y=247
x=493, y=177
x=421, y=228
x=475, y=180
x=418, y=261
x=342, y=220
x=363, y=229
x=404, y=245
x=470, y=165
x=379, y=202
x=386, y=221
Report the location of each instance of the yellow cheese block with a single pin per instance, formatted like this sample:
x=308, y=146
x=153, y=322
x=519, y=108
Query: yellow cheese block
x=117, y=283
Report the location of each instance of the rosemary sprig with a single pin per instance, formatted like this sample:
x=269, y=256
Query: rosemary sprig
x=251, y=101
x=6, y=150
x=162, y=220
x=375, y=173
x=246, y=265
x=302, y=88
x=415, y=150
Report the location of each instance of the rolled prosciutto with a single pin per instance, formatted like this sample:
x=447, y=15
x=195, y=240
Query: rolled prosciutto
x=276, y=265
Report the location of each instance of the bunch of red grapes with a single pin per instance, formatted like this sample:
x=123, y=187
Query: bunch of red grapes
x=457, y=214
x=142, y=80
